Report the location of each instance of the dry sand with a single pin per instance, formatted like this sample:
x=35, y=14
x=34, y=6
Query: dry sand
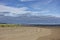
x=29, y=33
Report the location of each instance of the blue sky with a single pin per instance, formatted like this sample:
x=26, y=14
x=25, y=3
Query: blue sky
x=30, y=11
x=34, y=7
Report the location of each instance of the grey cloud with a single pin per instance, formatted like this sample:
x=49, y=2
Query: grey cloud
x=32, y=19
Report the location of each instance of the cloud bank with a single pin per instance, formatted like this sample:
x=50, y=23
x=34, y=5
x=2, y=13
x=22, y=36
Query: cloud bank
x=11, y=11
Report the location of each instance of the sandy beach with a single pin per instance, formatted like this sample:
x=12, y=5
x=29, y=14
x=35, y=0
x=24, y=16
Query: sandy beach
x=29, y=33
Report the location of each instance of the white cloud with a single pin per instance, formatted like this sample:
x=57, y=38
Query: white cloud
x=12, y=10
x=26, y=0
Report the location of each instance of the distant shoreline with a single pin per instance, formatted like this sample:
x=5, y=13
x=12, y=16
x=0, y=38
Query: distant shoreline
x=32, y=25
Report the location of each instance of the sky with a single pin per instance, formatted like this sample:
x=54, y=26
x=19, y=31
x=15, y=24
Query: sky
x=16, y=8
